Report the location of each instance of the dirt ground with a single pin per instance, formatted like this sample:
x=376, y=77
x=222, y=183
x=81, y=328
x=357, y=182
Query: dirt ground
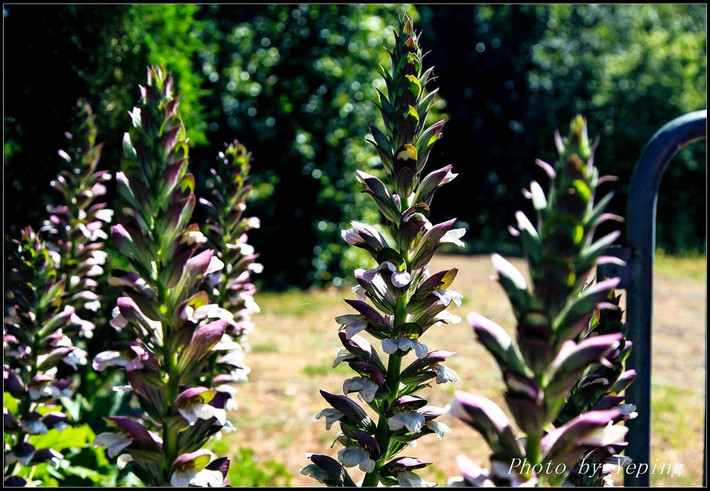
x=295, y=340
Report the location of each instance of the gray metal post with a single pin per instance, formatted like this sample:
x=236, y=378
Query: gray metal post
x=641, y=237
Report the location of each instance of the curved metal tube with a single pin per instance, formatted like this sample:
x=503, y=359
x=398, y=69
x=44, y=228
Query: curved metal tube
x=641, y=236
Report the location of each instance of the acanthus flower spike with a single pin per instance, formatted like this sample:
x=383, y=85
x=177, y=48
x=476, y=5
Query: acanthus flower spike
x=565, y=366
x=75, y=228
x=175, y=326
x=398, y=298
x=232, y=287
x=37, y=348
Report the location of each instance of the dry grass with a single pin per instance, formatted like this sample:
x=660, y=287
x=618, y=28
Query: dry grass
x=293, y=348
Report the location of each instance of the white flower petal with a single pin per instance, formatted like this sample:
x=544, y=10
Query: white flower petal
x=104, y=215
x=197, y=477
x=444, y=374
x=352, y=456
x=352, y=329
x=341, y=355
x=412, y=420
x=440, y=429
x=250, y=304
x=366, y=389
x=389, y=346
x=447, y=317
x=401, y=279
x=108, y=359
x=113, y=442
x=420, y=349
x=405, y=344
x=214, y=265
x=408, y=479
x=453, y=236
x=607, y=435
x=123, y=460
x=253, y=222
x=331, y=415
x=312, y=470
x=448, y=296
x=226, y=343
x=360, y=292
x=35, y=427
x=11, y=458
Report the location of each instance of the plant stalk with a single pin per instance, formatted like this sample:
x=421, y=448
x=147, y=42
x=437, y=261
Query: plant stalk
x=394, y=364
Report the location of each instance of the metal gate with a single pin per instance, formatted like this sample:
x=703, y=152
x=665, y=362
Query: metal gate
x=637, y=275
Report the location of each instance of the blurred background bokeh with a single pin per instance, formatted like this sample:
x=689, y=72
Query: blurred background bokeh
x=296, y=85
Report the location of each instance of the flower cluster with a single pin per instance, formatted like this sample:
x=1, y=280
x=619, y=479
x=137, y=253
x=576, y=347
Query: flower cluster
x=600, y=387
x=38, y=354
x=75, y=228
x=226, y=231
x=556, y=351
x=174, y=326
x=406, y=299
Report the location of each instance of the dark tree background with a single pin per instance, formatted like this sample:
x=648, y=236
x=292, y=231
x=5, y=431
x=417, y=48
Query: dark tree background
x=296, y=85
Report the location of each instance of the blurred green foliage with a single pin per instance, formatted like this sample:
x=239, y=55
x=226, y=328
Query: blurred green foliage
x=82, y=465
x=59, y=53
x=296, y=85
x=511, y=74
x=247, y=470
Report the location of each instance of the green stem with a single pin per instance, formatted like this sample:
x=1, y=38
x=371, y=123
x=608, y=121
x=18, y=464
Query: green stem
x=169, y=432
x=394, y=364
x=532, y=450
x=171, y=389
x=212, y=368
x=382, y=434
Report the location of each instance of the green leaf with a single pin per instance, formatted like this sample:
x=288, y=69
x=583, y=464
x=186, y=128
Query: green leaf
x=84, y=473
x=72, y=437
x=73, y=406
x=9, y=403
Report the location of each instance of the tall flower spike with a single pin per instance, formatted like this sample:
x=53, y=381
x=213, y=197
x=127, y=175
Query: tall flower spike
x=232, y=287
x=75, y=228
x=173, y=323
x=566, y=365
x=406, y=299
x=38, y=353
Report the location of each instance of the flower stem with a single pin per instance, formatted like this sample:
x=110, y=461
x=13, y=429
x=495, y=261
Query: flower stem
x=532, y=450
x=394, y=364
x=171, y=394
